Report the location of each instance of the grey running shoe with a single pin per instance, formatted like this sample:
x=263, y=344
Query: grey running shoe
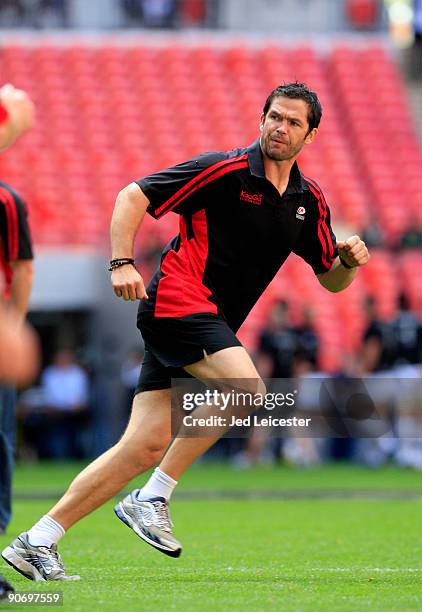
x=35, y=562
x=150, y=520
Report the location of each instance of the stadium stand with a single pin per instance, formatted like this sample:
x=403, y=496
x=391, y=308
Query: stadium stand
x=117, y=112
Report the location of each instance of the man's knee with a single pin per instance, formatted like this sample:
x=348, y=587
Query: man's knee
x=153, y=452
x=144, y=451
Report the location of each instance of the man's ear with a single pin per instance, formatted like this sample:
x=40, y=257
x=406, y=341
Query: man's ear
x=310, y=137
x=261, y=122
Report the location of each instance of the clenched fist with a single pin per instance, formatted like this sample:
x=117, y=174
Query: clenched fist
x=128, y=284
x=353, y=252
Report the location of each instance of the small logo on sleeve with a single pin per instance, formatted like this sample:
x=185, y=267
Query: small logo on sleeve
x=300, y=213
x=252, y=198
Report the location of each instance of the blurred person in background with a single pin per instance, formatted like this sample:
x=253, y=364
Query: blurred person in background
x=12, y=12
x=151, y=13
x=392, y=352
x=18, y=348
x=281, y=348
x=406, y=375
x=376, y=359
x=407, y=332
x=129, y=376
x=416, y=51
x=378, y=342
x=66, y=393
x=132, y=9
x=307, y=344
x=390, y=344
x=280, y=342
x=48, y=13
x=411, y=238
x=277, y=344
x=372, y=234
x=33, y=13
x=159, y=13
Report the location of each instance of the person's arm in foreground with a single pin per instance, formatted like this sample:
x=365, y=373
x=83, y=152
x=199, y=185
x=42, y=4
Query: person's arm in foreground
x=354, y=253
x=129, y=211
x=19, y=356
x=16, y=114
x=21, y=287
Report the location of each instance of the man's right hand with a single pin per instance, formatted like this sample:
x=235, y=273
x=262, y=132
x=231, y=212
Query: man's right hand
x=128, y=284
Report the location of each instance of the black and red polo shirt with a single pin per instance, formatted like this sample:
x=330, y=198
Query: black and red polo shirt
x=15, y=237
x=236, y=231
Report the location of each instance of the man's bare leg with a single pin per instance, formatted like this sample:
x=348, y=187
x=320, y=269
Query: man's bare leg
x=33, y=553
x=141, y=446
x=146, y=511
x=233, y=363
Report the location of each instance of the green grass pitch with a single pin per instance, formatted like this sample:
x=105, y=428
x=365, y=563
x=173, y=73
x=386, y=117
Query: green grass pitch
x=328, y=538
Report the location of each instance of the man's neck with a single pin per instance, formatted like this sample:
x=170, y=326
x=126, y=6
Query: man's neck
x=278, y=172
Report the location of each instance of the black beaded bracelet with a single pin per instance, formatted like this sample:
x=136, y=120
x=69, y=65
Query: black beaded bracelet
x=118, y=263
x=345, y=265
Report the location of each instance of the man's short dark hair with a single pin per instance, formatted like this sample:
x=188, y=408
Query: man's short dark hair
x=298, y=91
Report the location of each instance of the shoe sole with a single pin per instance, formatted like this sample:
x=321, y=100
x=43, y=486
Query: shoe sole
x=121, y=514
x=20, y=565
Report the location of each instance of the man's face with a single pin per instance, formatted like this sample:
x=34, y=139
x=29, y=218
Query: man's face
x=285, y=129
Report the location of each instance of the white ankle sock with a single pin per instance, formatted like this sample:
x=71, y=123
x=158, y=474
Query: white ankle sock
x=46, y=532
x=159, y=485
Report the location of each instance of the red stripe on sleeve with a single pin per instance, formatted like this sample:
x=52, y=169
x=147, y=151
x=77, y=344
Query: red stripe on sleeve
x=326, y=228
x=194, y=184
x=4, y=115
x=323, y=230
x=213, y=177
x=12, y=223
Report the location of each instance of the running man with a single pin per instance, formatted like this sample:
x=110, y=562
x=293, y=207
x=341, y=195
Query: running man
x=241, y=214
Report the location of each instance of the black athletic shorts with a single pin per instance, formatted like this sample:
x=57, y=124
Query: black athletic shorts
x=172, y=343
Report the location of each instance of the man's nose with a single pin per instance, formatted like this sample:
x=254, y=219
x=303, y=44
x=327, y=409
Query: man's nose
x=282, y=126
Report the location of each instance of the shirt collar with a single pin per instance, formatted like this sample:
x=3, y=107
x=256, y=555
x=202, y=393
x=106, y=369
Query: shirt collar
x=297, y=183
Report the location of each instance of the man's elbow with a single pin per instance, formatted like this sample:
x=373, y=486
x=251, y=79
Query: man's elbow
x=132, y=194
x=132, y=191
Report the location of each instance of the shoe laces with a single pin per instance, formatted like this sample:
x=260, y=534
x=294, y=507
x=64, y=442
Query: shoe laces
x=54, y=558
x=162, y=516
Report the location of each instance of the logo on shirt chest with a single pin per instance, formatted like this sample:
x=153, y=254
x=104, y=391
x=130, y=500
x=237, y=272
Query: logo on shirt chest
x=251, y=198
x=300, y=213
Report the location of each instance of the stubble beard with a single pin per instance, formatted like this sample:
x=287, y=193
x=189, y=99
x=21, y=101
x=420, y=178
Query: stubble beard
x=288, y=154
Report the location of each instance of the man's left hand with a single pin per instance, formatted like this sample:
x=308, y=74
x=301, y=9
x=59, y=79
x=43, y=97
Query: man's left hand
x=353, y=251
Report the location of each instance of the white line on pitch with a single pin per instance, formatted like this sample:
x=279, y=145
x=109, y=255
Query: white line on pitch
x=367, y=569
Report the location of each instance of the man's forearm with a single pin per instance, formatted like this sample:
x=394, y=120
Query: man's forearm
x=129, y=211
x=20, y=290
x=338, y=278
